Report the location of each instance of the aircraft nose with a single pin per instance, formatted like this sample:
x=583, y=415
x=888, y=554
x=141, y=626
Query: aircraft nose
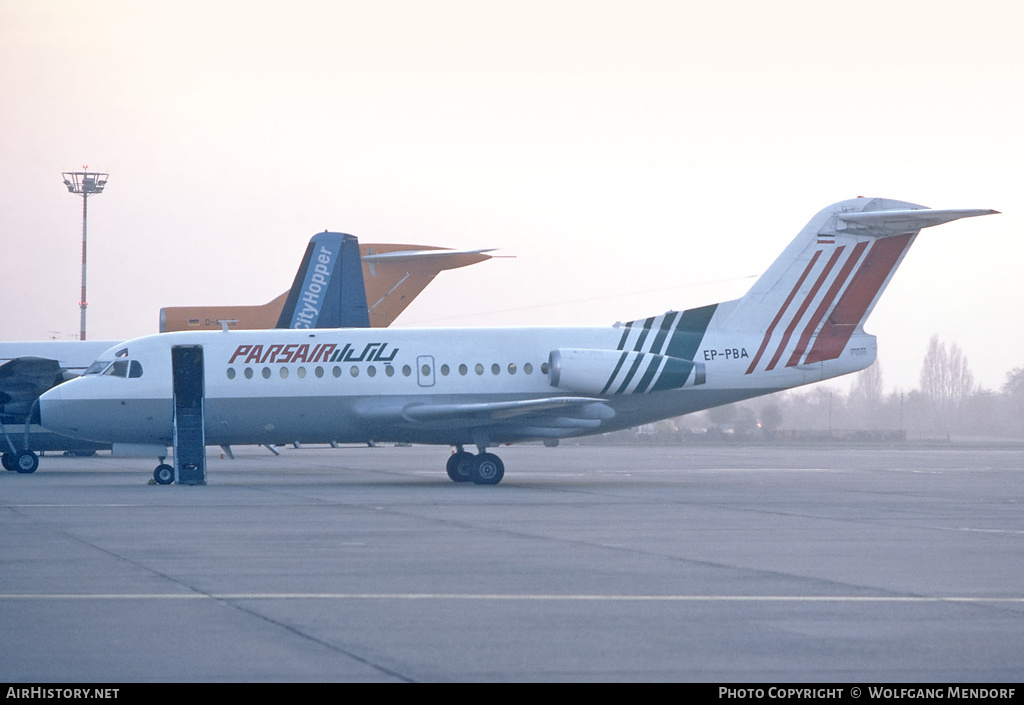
x=53, y=412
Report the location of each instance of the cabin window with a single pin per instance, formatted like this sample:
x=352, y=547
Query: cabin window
x=266, y=373
x=463, y=370
x=336, y=371
x=511, y=368
x=445, y=370
x=231, y=373
x=479, y=369
x=495, y=368
x=528, y=368
x=319, y=371
x=248, y=373
x=389, y=370
x=354, y=371
x=301, y=372
x=372, y=371
x=406, y=370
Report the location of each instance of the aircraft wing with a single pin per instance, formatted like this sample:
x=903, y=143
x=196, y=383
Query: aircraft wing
x=22, y=380
x=498, y=409
x=544, y=417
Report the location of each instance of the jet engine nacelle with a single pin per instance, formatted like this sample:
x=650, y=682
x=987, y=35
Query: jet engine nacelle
x=611, y=372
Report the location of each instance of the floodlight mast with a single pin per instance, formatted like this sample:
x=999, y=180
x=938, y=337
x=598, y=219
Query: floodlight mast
x=84, y=183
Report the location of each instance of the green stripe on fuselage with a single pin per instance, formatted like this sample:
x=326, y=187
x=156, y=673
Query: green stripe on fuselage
x=688, y=335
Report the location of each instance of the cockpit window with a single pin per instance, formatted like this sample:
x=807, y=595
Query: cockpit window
x=97, y=367
x=116, y=368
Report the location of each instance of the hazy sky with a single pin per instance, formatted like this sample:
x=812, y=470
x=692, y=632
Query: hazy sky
x=633, y=157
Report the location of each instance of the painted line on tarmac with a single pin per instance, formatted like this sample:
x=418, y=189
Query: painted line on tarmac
x=508, y=597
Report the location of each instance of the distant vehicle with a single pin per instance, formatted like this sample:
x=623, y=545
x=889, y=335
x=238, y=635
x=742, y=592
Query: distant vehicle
x=801, y=322
x=328, y=291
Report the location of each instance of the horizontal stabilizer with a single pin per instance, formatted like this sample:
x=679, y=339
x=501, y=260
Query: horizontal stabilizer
x=419, y=255
x=897, y=222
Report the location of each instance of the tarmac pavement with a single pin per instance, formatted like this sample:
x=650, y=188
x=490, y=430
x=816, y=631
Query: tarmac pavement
x=590, y=563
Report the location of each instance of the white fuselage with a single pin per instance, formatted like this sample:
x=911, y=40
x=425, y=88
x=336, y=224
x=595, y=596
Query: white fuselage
x=356, y=385
x=801, y=322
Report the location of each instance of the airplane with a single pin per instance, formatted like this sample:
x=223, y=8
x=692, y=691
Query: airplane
x=328, y=291
x=393, y=275
x=27, y=369
x=801, y=322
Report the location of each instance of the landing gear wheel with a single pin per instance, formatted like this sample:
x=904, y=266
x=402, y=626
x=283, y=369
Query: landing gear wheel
x=460, y=466
x=164, y=474
x=8, y=462
x=488, y=469
x=26, y=461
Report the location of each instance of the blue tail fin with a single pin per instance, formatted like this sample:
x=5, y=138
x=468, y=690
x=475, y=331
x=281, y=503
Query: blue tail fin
x=328, y=291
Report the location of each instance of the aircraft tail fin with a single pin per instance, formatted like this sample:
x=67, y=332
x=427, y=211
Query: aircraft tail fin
x=822, y=288
x=328, y=291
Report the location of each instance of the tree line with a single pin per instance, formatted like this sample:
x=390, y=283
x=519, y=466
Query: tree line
x=947, y=403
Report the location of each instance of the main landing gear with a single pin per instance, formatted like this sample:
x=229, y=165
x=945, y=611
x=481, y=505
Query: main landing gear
x=482, y=469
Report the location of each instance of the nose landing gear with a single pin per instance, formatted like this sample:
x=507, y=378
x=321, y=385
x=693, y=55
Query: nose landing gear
x=23, y=461
x=164, y=474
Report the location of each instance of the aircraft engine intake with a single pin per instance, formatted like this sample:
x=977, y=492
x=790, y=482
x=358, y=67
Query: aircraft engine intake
x=614, y=372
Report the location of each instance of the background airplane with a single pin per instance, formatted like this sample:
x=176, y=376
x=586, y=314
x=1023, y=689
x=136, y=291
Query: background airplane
x=328, y=292
x=393, y=274
x=801, y=322
x=28, y=369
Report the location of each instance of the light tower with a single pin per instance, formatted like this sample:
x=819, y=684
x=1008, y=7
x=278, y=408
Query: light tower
x=84, y=183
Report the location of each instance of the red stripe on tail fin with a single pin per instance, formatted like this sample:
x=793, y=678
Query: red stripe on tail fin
x=803, y=307
x=782, y=311
x=854, y=305
x=826, y=303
